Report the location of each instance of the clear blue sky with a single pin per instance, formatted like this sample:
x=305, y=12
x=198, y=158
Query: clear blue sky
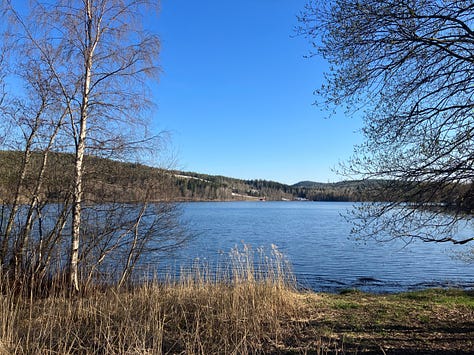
x=236, y=93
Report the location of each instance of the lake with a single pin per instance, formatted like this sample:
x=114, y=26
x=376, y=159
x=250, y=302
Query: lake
x=317, y=242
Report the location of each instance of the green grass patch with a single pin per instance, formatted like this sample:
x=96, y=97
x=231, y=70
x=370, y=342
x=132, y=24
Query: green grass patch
x=440, y=297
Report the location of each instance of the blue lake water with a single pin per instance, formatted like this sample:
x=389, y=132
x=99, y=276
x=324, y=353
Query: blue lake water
x=317, y=242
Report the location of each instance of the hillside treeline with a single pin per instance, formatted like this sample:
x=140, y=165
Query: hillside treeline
x=113, y=181
x=105, y=180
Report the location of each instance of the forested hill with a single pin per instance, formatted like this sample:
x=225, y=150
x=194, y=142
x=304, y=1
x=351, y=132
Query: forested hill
x=209, y=187
x=109, y=180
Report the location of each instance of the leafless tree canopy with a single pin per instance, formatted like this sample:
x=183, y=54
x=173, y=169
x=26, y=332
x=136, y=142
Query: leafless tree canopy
x=408, y=67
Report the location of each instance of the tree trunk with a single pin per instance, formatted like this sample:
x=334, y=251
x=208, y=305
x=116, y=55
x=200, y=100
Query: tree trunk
x=16, y=202
x=80, y=151
x=33, y=204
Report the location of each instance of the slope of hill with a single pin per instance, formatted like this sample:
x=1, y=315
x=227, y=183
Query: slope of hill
x=109, y=180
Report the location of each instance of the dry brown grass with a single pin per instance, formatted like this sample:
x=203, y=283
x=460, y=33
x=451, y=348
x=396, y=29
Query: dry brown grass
x=242, y=309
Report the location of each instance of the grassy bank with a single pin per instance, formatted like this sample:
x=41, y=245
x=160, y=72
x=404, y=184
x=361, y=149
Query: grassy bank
x=239, y=311
x=432, y=321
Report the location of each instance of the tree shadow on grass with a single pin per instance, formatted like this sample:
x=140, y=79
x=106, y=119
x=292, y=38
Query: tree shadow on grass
x=440, y=338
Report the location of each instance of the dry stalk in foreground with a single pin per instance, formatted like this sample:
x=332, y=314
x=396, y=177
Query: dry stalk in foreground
x=246, y=307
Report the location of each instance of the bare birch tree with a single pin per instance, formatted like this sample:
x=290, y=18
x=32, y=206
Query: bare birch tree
x=107, y=57
x=99, y=60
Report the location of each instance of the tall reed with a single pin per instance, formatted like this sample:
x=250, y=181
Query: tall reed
x=243, y=307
